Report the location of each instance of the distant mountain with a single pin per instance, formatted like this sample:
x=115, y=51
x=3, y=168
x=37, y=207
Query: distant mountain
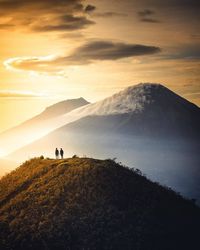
x=82, y=203
x=60, y=108
x=144, y=109
x=38, y=126
x=147, y=107
x=146, y=125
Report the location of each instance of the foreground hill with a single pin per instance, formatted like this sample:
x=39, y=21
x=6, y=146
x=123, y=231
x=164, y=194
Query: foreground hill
x=82, y=203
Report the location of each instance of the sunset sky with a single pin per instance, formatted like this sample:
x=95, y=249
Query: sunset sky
x=54, y=50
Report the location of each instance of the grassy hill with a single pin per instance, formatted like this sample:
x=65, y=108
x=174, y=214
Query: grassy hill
x=82, y=203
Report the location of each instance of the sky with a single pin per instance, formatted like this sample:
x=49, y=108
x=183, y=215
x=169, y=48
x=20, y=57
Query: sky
x=55, y=50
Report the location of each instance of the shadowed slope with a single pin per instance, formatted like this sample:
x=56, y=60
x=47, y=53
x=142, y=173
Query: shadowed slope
x=83, y=203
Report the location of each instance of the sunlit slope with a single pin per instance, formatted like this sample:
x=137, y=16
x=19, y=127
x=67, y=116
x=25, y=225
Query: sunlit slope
x=82, y=203
x=36, y=127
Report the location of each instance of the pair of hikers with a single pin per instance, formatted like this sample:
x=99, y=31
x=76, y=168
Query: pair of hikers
x=57, y=152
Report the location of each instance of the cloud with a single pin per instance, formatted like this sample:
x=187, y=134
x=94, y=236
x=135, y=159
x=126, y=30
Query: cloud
x=19, y=94
x=170, y=3
x=149, y=20
x=6, y=26
x=67, y=23
x=147, y=15
x=108, y=14
x=186, y=52
x=51, y=15
x=87, y=53
x=185, y=10
x=108, y=50
x=90, y=8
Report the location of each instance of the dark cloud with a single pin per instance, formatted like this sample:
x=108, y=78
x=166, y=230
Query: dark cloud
x=67, y=23
x=46, y=15
x=85, y=54
x=185, y=10
x=171, y=3
x=106, y=50
x=149, y=20
x=147, y=15
x=90, y=8
x=108, y=14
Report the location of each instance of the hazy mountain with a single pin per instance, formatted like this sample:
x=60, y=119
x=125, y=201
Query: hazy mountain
x=38, y=126
x=144, y=109
x=82, y=203
x=147, y=126
x=60, y=108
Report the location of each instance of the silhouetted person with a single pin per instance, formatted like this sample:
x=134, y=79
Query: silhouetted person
x=57, y=153
x=61, y=153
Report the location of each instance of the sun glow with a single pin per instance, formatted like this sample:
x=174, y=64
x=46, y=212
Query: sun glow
x=2, y=153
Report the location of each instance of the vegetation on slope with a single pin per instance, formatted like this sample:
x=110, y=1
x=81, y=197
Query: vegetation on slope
x=82, y=203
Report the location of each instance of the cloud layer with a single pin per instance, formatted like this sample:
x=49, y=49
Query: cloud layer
x=147, y=15
x=19, y=94
x=85, y=54
x=43, y=16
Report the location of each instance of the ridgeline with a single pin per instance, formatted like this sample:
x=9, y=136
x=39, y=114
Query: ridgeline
x=83, y=203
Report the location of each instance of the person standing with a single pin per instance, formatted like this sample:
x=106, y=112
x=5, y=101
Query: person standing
x=61, y=153
x=57, y=153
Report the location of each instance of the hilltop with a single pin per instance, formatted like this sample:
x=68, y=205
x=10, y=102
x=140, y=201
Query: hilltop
x=84, y=203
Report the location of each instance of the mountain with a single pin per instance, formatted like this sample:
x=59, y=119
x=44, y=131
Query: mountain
x=38, y=126
x=83, y=203
x=146, y=108
x=147, y=126
x=60, y=108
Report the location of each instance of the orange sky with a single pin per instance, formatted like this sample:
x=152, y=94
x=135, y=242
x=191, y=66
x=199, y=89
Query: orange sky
x=55, y=50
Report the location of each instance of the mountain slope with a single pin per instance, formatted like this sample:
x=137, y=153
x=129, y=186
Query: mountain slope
x=60, y=108
x=38, y=126
x=83, y=203
x=149, y=105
